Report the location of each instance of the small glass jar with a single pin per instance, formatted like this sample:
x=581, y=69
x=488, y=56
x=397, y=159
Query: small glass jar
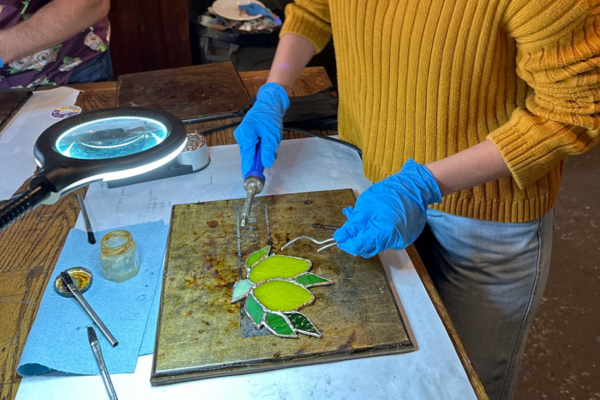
x=119, y=257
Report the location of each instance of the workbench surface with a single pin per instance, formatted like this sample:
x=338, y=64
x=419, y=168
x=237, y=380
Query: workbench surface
x=30, y=248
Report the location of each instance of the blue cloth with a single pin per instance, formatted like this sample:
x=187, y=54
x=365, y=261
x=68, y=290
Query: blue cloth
x=58, y=338
x=490, y=277
x=98, y=69
x=264, y=123
x=390, y=214
x=256, y=9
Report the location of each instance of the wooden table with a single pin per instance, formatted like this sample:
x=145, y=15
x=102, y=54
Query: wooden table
x=30, y=248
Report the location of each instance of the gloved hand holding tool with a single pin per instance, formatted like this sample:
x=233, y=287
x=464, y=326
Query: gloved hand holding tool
x=258, y=136
x=390, y=214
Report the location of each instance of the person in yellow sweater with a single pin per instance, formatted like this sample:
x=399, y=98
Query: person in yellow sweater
x=465, y=111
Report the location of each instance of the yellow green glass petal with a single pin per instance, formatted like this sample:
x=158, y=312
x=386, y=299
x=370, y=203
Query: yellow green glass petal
x=256, y=256
x=278, y=267
x=279, y=295
x=279, y=325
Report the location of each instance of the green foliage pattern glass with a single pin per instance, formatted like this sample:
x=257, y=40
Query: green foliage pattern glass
x=275, y=289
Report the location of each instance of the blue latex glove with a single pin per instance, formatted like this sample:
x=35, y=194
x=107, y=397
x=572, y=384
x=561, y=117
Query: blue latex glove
x=390, y=214
x=264, y=123
x=256, y=9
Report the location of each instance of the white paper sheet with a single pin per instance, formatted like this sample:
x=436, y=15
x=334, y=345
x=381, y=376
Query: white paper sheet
x=432, y=372
x=302, y=165
x=17, y=139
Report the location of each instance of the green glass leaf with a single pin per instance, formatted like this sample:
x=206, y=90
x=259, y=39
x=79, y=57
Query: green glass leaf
x=256, y=256
x=303, y=325
x=240, y=290
x=254, y=310
x=279, y=325
x=280, y=295
x=310, y=279
x=278, y=267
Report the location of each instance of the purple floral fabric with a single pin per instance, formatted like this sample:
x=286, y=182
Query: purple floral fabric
x=54, y=65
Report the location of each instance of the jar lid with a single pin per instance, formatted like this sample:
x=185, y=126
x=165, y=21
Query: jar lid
x=82, y=277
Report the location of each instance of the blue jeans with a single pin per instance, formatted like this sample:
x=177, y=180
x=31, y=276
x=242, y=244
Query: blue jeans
x=98, y=69
x=491, y=278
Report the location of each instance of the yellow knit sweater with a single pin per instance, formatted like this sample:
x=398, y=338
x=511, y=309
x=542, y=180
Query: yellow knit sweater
x=425, y=79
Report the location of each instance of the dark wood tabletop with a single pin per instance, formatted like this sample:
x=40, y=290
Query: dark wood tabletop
x=30, y=247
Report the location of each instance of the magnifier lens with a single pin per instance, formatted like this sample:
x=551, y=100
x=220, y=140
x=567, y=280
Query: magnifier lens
x=111, y=138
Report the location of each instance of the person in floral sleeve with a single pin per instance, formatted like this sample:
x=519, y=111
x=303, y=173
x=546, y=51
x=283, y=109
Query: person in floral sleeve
x=53, y=42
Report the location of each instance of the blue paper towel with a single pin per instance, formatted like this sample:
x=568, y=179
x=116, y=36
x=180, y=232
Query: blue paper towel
x=58, y=338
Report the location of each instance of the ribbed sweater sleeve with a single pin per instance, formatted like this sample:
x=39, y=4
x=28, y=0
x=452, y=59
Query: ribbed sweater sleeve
x=559, y=58
x=310, y=19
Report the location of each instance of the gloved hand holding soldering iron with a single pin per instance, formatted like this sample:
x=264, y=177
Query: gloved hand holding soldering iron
x=389, y=215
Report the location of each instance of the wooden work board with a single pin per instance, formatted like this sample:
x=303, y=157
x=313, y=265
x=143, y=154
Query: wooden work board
x=201, y=334
x=187, y=92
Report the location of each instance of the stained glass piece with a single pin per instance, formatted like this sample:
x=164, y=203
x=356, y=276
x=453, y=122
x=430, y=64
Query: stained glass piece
x=279, y=325
x=240, y=290
x=278, y=266
x=309, y=280
x=256, y=256
x=254, y=310
x=281, y=295
x=302, y=324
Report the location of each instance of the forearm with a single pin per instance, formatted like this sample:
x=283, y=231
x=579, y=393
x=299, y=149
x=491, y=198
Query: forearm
x=475, y=166
x=292, y=55
x=53, y=24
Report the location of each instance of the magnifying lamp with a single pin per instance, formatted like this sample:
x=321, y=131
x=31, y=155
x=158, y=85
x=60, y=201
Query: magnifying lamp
x=104, y=145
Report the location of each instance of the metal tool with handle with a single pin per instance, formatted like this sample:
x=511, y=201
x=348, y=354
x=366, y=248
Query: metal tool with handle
x=97, y=350
x=254, y=182
x=68, y=281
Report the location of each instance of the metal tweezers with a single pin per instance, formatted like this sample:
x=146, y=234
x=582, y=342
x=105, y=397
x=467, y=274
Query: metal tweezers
x=328, y=242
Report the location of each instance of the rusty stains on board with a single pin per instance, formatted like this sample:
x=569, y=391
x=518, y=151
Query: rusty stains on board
x=217, y=323
x=190, y=312
x=348, y=343
x=212, y=224
x=192, y=283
